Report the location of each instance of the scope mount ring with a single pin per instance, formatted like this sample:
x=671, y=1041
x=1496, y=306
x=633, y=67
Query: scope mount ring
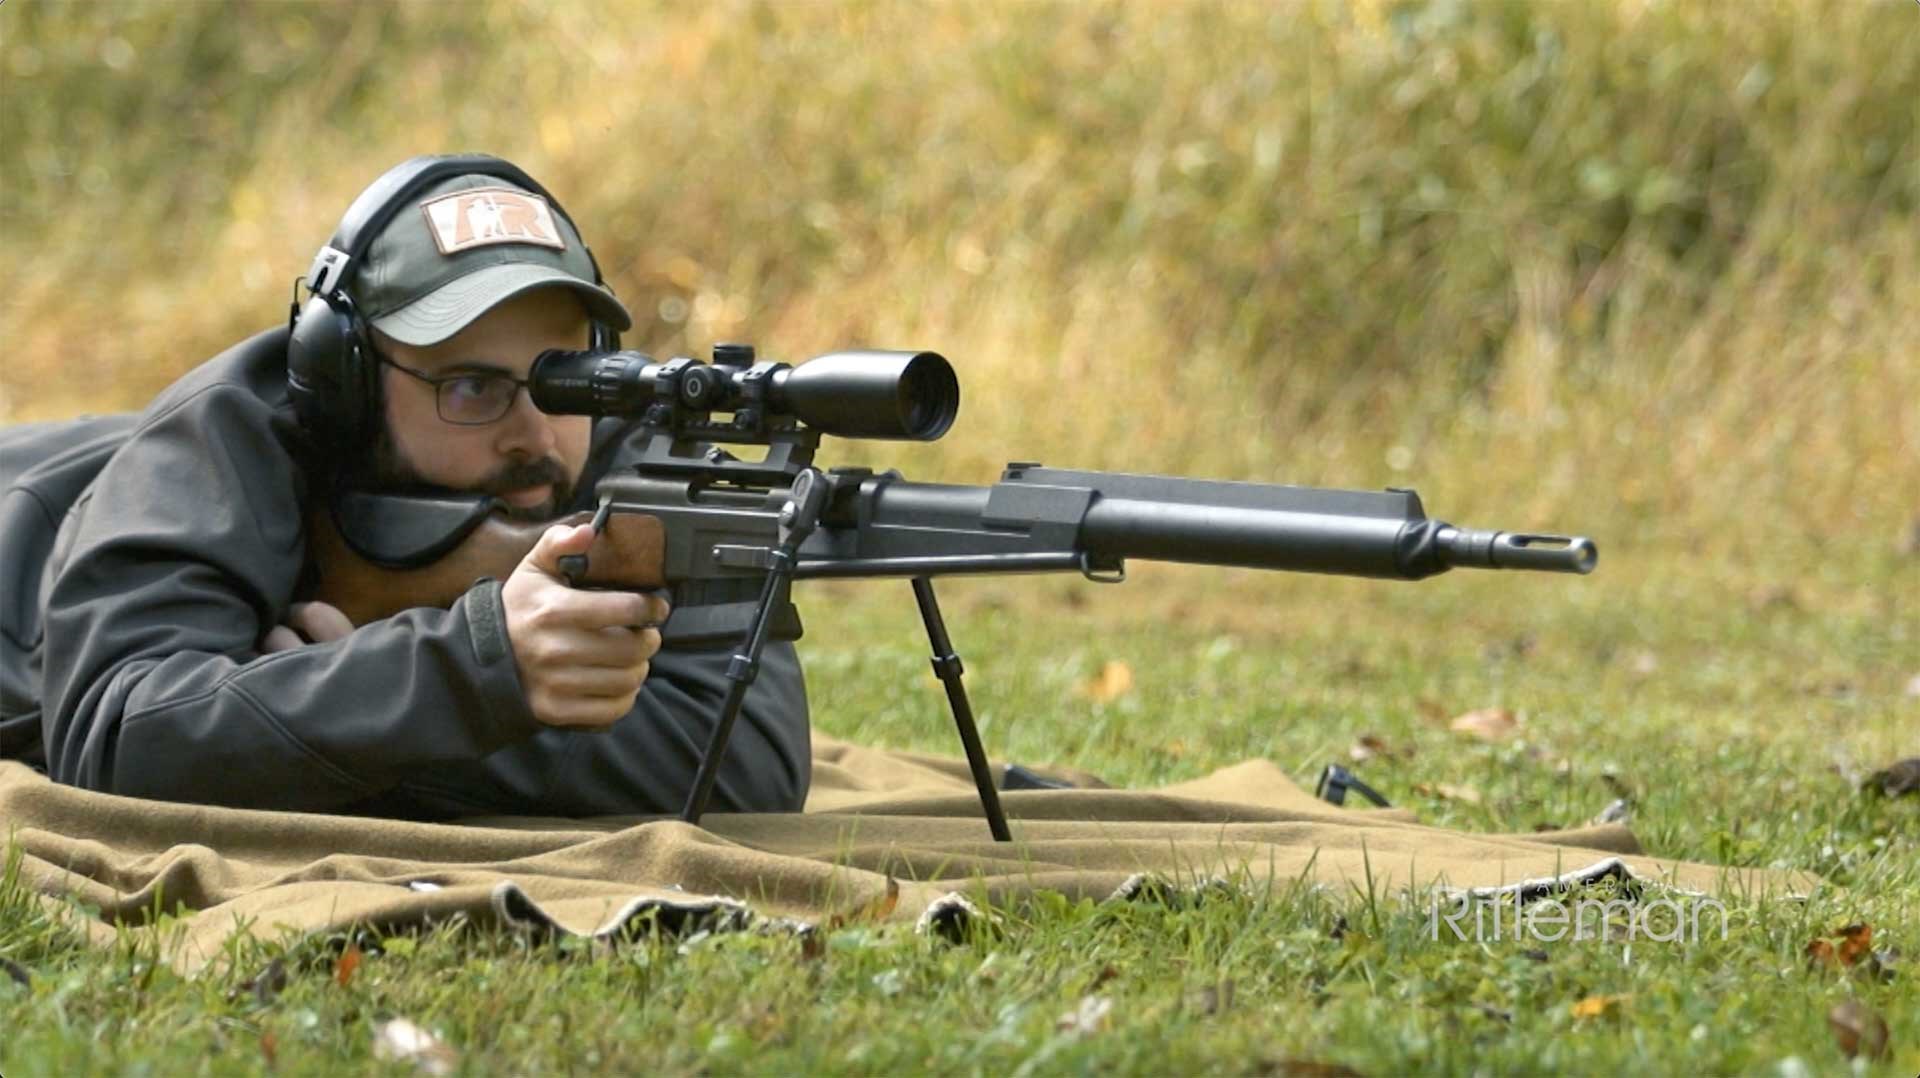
x=1102, y=574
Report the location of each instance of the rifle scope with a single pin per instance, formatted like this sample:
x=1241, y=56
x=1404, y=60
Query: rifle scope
x=905, y=395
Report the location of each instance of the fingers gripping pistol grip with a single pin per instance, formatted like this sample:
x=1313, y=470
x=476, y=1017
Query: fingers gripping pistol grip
x=574, y=567
x=628, y=552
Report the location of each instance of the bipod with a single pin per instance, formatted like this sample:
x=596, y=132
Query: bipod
x=946, y=666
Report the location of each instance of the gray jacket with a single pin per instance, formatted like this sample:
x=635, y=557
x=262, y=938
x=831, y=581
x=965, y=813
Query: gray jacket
x=142, y=558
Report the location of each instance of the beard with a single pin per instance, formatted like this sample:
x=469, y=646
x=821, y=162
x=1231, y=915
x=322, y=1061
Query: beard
x=387, y=470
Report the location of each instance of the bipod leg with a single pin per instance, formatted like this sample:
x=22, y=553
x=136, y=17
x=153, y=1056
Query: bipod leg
x=946, y=666
x=741, y=670
x=797, y=519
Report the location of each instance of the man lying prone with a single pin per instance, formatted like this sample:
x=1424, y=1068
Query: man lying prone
x=159, y=636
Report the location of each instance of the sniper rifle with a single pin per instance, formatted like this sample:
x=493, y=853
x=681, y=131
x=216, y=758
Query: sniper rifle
x=729, y=536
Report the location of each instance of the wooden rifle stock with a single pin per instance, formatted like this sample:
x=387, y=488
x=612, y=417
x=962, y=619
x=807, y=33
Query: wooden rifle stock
x=627, y=554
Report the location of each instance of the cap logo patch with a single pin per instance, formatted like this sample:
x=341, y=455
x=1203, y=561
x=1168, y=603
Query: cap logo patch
x=487, y=215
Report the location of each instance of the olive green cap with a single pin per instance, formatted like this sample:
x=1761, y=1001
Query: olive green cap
x=468, y=244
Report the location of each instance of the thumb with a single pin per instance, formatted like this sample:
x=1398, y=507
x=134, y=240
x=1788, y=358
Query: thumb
x=555, y=543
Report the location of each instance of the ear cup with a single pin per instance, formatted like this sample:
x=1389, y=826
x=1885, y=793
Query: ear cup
x=330, y=376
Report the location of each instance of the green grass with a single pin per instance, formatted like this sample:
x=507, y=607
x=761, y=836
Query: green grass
x=1737, y=743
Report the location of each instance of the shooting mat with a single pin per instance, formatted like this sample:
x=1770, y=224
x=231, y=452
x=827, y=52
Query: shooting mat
x=892, y=835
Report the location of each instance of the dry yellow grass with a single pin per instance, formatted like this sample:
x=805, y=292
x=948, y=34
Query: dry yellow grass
x=1638, y=268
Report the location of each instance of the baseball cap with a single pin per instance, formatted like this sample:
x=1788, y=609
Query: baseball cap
x=472, y=242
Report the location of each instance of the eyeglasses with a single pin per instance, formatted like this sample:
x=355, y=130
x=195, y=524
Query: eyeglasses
x=468, y=400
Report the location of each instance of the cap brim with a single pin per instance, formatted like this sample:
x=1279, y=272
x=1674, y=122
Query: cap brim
x=451, y=308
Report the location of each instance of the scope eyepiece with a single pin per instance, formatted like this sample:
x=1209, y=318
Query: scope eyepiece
x=591, y=383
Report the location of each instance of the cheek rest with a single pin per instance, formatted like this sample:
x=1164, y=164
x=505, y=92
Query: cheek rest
x=406, y=531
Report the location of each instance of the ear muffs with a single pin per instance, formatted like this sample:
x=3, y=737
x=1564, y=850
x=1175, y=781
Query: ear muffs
x=333, y=378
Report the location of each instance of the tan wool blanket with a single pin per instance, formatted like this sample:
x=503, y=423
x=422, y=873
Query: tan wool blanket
x=889, y=834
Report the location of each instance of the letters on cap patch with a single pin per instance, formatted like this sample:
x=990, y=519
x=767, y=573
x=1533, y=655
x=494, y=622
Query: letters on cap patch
x=488, y=215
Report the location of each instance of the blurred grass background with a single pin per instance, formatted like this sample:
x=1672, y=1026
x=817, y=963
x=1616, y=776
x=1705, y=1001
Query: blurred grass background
x=1643, y=270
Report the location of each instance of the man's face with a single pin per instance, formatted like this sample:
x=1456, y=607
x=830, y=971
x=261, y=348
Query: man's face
x=528, y=459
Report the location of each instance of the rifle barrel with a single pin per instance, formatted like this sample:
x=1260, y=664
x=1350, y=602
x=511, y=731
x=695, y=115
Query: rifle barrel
x=1112, y=517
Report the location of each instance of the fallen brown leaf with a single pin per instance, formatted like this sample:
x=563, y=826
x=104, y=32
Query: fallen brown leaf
x=1600, y=1006
x=1487, y=724
x=877, y=908
x=1858, y=1030
x=1447, y=791
x=1114, y=680
x=348, y=962
x=1368, y=747
x=1856, y=942
x=1841, y=949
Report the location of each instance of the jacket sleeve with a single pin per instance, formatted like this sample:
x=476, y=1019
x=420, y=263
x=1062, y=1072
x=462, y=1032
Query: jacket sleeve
x=168, y=572
x=644, y=763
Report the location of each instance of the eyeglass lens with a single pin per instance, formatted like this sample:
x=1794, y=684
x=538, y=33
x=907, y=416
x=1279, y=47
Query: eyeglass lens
x=476, y=398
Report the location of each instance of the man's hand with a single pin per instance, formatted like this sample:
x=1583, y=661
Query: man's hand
x=582, y=655
x=307, y=623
